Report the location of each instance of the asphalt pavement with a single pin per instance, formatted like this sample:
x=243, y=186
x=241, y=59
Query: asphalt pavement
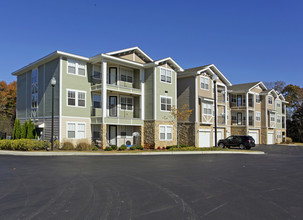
x=268, y=186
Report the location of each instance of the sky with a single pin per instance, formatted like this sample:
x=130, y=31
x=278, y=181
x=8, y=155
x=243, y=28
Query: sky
x=248, y=41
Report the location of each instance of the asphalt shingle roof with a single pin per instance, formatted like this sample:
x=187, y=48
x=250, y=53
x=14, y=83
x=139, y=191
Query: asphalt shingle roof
x=195, y=69
x=243, y=86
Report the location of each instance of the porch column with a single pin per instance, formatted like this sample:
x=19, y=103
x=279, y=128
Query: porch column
x=104, y=90
x=142, y=98
x=225, y=91
x=247, y=116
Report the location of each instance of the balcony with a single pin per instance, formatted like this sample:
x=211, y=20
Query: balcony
x=221, y=120
x=119, y=88
x=238, y=122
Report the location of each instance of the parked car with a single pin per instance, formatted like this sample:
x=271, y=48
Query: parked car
x=242, y=141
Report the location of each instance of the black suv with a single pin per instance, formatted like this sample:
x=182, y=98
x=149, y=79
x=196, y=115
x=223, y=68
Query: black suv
x=242, y=141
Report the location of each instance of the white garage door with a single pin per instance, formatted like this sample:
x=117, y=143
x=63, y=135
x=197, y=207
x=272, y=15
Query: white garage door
x=204, y=138
x=255, y=135
x=219, y=136
x=270, y=138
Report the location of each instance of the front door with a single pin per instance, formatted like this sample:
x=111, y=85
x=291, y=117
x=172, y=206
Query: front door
x=239, y=118
x=113, y=106
x=112, y=75
x=112, y=134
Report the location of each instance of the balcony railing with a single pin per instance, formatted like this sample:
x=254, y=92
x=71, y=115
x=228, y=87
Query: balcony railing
x=238, y=122
x=251, y=122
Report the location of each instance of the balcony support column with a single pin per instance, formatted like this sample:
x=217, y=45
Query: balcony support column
x=247, y=113
x=104, y=90
x=142, y=97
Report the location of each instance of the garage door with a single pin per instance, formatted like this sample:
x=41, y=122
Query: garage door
x=255, y=135
x=270, y=138
x=204, y=138
x=219, y=136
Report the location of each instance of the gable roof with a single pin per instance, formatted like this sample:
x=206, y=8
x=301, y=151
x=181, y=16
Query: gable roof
x=246, y=86
x=137, y=50
x=211, y=69
x=274, y=92
x=171, y=62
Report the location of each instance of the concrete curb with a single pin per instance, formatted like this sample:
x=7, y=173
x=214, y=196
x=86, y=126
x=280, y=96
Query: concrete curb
x=37, y=153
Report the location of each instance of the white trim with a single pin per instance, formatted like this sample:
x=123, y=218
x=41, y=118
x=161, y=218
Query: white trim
x=171, y=76
x=170, y=59
x=104, y=90
x=256, y=116
x=155, y=93
x=76, y=130
x=196, y=99
x=166, y=97
x=142, y=97
x=77, y=63
x=176, y=86
x=76, y=98
x=201, y=129
x=247, y=112
x=60, y=99
x=205, y=77
x=44, y=89
x=165, y=132
x=120, y=60
x=128, y=49
x=73, y=117
x=127, y=97
x=259, y=83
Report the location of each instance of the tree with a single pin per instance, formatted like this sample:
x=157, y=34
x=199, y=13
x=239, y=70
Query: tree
x=24, y=130
x=17, y=129
x=295, y=126
x=294, y=95
x=181, y=116
x=31, y=131
x=278, y=85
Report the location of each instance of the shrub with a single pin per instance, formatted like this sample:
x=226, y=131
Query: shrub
x=83, y=146
x=114, y=147
x=149, y=146
x=133, y=148
x=57, y=144
x=172, y=146
x=288, y=140
x=67, y=146
x=30, y=130
x=95, y=148
x=24, y=130
x=122, y=147
x=108, y=149
x=139, y=147
x=17, y=129
x=23, y=145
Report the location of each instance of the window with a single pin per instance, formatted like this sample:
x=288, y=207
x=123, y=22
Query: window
x=126, y=131
x=126, y=75
x=279, y=136
x=165, y=75
x=233, y=116
x=126, y=103
x=204, y=82
x=166, y=132
x=278, y=103
x=258, y=116
x=233, y=98
x=258, y=100
x=278, y=118
x=76, y=68
x=96, y=101
x=272, y=117
x=71, y=130
x=207, y=108
x=76, y=98
x=34, y=89
x=97, y=72
x=76, y=130
x=227, y=114
x=165, y=103
x=270, y=100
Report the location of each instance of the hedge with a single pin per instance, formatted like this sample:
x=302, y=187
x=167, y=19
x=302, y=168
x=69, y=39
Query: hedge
x=24, y=145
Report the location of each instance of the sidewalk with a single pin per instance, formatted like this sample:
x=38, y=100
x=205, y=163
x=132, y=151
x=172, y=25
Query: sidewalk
x=74, y=153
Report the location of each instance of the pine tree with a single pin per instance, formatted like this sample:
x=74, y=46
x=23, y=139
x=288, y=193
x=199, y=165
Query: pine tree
x=30, y=130
x=24, y=130
x=14, y=130
x=18, y=130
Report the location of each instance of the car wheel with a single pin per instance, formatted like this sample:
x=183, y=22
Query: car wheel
x=221, y=145
x=247, y=148
x=242, y=147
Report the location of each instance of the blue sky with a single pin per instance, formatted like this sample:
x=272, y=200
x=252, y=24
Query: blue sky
x=247, y=40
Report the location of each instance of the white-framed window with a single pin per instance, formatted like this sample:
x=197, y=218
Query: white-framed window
x=76, y=98
x=204, y=82
x=227, y=114
x=97, y=71
x=126, y=131
x=278, y=103
x=207, y=108
x=165, y=132
x=96, y=101
x=278, y=118
x=279, y=136
x=272, y=117
x=76, y=130
x=258, y=100
x=233, y=116
x=126, y=103
x=233, y=98
x=258, y=116
x=126, y=75
x=165, y=75
x=165, y=103
x=76, y=68
x=270, y=100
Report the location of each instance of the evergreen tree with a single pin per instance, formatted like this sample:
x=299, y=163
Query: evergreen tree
x=14, y=130
x=24, y=130
x=30, y=130
x=17, y=129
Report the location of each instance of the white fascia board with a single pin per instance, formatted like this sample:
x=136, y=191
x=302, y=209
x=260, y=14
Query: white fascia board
x=221, y=75
x=259, y=84
x=128, y=49
x=170, y=59
x=280, y=95
x=119, y=60
x=49, y=57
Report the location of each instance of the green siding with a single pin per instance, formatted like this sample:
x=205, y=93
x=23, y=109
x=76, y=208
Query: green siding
x=79, y=83
x=162, y=87
x=148, y=93
x=21, y=96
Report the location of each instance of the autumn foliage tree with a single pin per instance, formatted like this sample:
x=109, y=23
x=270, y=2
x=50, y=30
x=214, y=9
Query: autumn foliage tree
x=181, y=116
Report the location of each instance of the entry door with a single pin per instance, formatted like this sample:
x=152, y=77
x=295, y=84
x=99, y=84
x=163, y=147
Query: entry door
x=270, y=138
x=112, y=75
x=239, y=118
x=113, y=135
x=113, y=106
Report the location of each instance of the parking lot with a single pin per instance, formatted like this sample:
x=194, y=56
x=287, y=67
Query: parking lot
x=266, y=186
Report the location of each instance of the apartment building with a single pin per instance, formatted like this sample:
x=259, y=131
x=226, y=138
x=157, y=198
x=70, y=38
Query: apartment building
x=121, y=97
x=196, y=89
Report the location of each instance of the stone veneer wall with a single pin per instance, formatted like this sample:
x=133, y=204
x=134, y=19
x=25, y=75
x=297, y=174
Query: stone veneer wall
x=187, y=133
x=263, y=136
x=238, y=131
